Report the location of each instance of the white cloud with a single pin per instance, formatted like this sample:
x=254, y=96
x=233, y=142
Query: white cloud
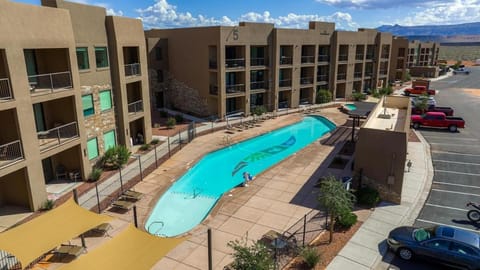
x=111, y=11
x=377, y=4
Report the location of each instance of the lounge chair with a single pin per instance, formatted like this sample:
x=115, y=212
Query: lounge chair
x=132, y=195
x=72, y=250
x=102, y=229
x=125, y=205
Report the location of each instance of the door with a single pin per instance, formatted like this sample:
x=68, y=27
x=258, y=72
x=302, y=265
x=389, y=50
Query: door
x=231, y=105
x=39, y=118
x=31, y=63
x=48, y=170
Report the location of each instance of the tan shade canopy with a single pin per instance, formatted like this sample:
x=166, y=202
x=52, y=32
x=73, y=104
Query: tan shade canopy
x=131, y=249
x=31, y=240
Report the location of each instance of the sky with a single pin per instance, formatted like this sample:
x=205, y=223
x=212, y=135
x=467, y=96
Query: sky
x=346, y=14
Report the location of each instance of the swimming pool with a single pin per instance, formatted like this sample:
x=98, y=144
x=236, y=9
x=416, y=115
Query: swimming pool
x=189, y=200
x=350, y=107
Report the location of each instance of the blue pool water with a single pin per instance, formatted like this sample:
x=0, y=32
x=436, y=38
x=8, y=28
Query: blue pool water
x=189, y=200
x=351, y=107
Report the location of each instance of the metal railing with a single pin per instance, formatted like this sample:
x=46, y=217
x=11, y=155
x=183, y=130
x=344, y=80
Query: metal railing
x=369, y=56
x=258, y=85
x=258, y=62
x=235, y=88
x=212, y=64
x=308, y=59
x=306, y=80
x=343, y=57
x=304, y=100
x=357, y=74
x=9, y=262
x=135, y=107
x=322, y=78
x=5, y=89
x=50, y=82
x=213, y=90
x=283, y=104
x=341, y=76
x=359, y=56
x=385, y=55
x=132, y=69
x=10, y=153
x=232, y=63
x=285, y=60
x=368, y=73
x=57, y=136
x=323, y=58
x=383, y=72
x=285, y=83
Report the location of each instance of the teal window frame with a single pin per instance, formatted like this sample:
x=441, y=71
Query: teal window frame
x=105, y=100
x=87, y=104
x=101, y=57
x=92, y=148
x=82, y=58
x=107, y=139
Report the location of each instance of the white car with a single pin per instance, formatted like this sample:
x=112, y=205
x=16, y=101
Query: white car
x=430, y=100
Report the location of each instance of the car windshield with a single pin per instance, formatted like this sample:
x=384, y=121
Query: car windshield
x=423, y=234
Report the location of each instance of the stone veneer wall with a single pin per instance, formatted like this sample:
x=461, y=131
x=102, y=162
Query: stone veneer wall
x=386, y=193
x=100, y=122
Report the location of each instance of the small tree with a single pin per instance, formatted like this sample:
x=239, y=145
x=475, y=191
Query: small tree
x=250, y=257
x=259, y=110
x=171, y=122
x=323, y=96
x=421, y=104
x=335, y=199
x=116, y=157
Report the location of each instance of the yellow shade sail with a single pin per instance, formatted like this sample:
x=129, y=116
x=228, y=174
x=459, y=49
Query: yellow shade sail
x=131, y=249
x=38, y=236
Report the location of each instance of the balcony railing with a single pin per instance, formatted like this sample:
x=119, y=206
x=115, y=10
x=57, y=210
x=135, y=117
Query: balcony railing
x=369, y=56
x=285, y=60
x=258, y=85
x=306, y=80
x=357, y=74
x=10, y=153
x=308, y=59
x=323, y=58
x=283, y=104
x=233, y=63
x=322, y=78
x=285, y=83
x=304, y=100
x=368, y=73
x=341, y=76
x=5, y=89
x=235, y=88
x=57, y=136
x=132, y=69
x=383, y=72
x=343, y=57
x=135, y=107
x=212, y=64
x=258, y=62
x=359, y=56
x=213, y=90
x=49, y=82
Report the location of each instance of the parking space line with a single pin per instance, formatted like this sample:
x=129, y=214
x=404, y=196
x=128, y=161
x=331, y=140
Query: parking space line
x=454, y=144
x=455, y=192
x=456, y=162
x=473, y=174
x=438, y=223
x=447, y=207
x=453, y=153
x=450, y=184
x=450, y=138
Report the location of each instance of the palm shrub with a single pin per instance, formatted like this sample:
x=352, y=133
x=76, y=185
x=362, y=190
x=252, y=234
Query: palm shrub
x=323, y=96
x=144, y=147
x=347, y=220
x=95, y=174
x=154, y=141
x=310, y=256
x=48, y=204
x=250, y=257
x=259, y=110
x=171, y=122
x=358, y=96
x=116, y=157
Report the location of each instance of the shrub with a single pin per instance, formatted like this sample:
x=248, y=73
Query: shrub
x=323, y=96
x=154, y=141
x=259, y=110
x=48, y=204
x=347, y=220
x=253, y=257
x=310, y=256
x=156, y=125
x=357, y=96
x=171, y=122
x=367, y=196
x=144, y=147
x=179, y=118
x=95, y=174
x=163, y=114
x=116, y=157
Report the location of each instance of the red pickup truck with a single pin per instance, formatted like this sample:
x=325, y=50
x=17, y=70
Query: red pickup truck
x=437, y=120
x=448, y=111
x=419, y=90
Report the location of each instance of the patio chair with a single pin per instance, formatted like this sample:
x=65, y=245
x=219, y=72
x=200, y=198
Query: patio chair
x=61, y=172
x=69, y=250
x=124, y=205
x=101, y=230
x=132, y=195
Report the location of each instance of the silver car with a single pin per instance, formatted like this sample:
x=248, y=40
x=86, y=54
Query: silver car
x=440, y=244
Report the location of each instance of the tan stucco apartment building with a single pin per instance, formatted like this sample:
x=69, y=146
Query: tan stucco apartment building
x=218, y=71
x=73, y=83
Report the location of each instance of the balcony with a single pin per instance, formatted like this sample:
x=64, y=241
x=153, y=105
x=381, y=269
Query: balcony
x=235, y=88
x=258, y=85
x=57, y=136
x=10, y=153
x=385, y=56
x=256, y=62
x=285, y=83
x=357, y=74
x=135, y=107
x=322, y=78
x=132, y=70
x=343, y=57
x=323, y=58
x=48, y=83
x=341, y=76
x=383, y=72
x=308, y=59
x=306, y=80
x=213, y=90
x=369, y=56
x=368, y=73
x=5, y=89
x=235, y=63
x=285, y=60
x=359, y=56
x=212, y=64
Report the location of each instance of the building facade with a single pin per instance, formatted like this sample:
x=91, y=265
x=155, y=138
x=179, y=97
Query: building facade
x=219, y=71
x=65, y=94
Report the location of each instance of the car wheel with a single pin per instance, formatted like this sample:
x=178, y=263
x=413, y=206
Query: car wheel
x=405, y=253
x=416, y=125
x=452, y=128
x=407, y=93
x=473, y=215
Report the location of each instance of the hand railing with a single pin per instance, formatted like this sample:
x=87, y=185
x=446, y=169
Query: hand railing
x=232, y=63
x=135, y=107
x=58, y=135
x=285, y=60
x=285, y=83
x=50, y=82
x=5, y=89
x=308, y=59
x=258, y=62
x=306, y=80
x=323, y=58
x=235, y=88
x=341, y=76
x=10, y=153
x=258, y=85
x=132, y=69
x=343, y=57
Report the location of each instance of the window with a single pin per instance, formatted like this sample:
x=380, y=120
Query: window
x=101, y=57
x=158, y=53
x=462, y=249
x=92, y=148
x=438, y=244
x=109, y=139
x=159, y=75
x=82, y=58
x=87, y=103
x=105, y=100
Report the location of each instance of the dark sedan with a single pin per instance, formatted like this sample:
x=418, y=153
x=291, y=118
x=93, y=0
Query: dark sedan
x=441, y=244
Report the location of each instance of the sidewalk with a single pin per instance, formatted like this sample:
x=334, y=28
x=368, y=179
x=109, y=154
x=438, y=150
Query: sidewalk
x=367, y=249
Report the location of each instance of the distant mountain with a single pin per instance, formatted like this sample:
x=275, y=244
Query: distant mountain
x=454, y=33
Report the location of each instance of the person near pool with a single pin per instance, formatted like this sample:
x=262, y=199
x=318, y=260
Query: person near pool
x=246, y=178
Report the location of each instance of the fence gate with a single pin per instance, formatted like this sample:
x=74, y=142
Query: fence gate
x=191, y=131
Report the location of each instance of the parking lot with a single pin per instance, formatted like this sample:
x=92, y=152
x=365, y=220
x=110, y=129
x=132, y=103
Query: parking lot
x=456, y=160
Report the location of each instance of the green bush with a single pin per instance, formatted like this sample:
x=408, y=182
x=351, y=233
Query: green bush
x=116, y=157
x=310, y=256
x=323, y=96
x=144, y=147
x=154, y=141
x=48, y=204
x=259, y=110
x=95, y=174
x=179, y=118
x=163, y=114
x=250, y=257
x=171, y=122
x=368, y=196
x=347, y=220
x=357, y=96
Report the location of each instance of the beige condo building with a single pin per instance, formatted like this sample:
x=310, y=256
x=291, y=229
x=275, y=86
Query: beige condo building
x=73, y=83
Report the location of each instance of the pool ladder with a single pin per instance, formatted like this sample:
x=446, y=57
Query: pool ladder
x=156, y=232
x=227, y=140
